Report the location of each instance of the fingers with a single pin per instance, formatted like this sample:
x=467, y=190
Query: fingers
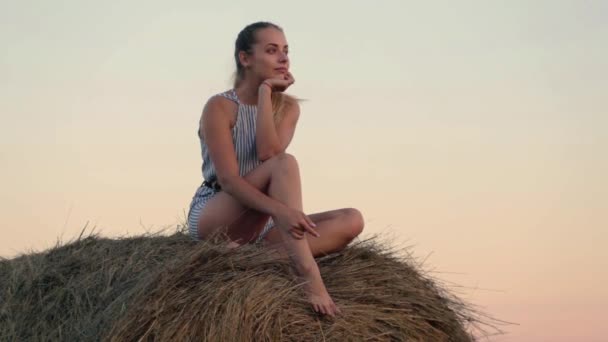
x=284, y=81
x=310, y=222
x=290, y=77
x=309, y=226
x=297, y=233
x=310, y=230
x=280, y=83
x=301, y=226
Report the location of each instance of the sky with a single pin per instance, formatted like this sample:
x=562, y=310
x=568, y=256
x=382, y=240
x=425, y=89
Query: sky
x=473, y=132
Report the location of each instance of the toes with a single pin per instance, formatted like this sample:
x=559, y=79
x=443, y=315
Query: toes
x=330, y=309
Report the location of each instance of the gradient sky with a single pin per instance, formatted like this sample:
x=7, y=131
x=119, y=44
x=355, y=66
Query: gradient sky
x=474, y=132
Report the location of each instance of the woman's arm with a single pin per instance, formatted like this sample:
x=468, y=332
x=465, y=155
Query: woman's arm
x=266, y=144
x=218, y=137
x=266, y=137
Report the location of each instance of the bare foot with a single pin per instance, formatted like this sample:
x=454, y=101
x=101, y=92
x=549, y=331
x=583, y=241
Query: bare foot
x=232, y=245
x=318, y=295
x=322, y=303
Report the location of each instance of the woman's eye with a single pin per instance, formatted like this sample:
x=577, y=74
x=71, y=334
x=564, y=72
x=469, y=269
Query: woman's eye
x=274, y=50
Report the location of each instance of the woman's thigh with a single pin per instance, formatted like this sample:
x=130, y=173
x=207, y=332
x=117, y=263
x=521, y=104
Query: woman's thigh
x=240, y=222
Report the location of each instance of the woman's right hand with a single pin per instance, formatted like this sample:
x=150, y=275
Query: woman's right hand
x=296, y=222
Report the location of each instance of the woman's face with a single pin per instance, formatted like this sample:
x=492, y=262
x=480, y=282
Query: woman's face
x=270, y=54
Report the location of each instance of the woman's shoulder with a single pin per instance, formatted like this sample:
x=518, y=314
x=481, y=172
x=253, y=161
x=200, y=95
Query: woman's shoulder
x=227, y=94
x=224, y=98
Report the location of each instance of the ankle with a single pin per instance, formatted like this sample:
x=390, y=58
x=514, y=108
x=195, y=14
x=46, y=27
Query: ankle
x=307, y=269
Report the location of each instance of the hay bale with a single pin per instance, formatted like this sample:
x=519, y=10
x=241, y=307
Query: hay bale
x=155, y=287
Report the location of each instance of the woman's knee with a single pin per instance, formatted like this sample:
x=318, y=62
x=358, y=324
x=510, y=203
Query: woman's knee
x=355, y=224
x=285, y=162
x=260, y=176
x=282, y=158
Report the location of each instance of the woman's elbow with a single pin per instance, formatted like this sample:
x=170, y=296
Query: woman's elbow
x=226, y=181
x=266, y=156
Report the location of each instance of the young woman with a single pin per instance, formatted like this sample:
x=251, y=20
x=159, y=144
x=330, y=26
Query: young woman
x=251, y=185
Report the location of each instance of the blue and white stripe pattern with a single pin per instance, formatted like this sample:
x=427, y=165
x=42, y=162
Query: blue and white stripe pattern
x=243, y=138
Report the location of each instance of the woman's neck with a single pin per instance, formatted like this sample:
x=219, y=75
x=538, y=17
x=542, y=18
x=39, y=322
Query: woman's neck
x=247, y=92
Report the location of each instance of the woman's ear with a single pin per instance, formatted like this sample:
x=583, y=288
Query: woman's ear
x=244, y=59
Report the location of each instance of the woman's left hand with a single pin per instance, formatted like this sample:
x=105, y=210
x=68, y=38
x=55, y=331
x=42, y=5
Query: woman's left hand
x=297, y=232
x=282, y=82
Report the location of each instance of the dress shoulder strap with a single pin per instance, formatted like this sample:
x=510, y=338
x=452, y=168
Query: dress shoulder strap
x=230, y=94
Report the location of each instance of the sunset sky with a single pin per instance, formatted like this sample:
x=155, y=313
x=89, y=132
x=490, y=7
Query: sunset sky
x=475, y=132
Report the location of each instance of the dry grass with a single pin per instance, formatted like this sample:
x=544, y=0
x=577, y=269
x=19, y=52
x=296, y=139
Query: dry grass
x=170, y=288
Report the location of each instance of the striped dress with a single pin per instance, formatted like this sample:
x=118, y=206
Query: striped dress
x=243, y=138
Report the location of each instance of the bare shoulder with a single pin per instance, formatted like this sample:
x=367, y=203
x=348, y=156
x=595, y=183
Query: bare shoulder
x=217, y=103
x=215, y=128
x=217, y=109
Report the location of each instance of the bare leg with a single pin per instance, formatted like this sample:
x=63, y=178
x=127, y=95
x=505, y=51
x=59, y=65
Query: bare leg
x=337, y=227
x=232, y=244
x=285, y=187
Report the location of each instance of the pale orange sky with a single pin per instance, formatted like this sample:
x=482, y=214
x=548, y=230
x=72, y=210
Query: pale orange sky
x=475, y=132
